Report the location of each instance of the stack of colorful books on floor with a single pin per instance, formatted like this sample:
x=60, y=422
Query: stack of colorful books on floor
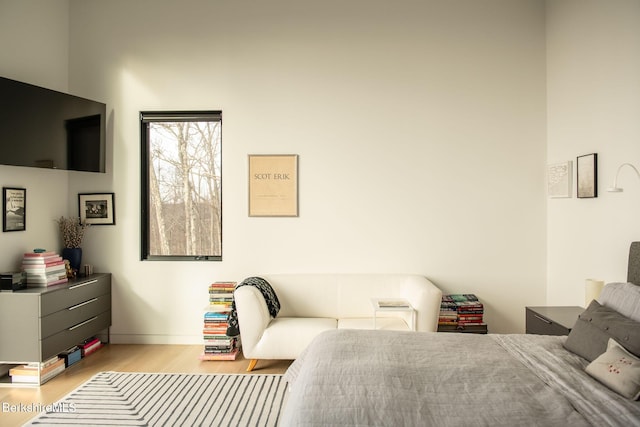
x=217, y=345
x=40, y=372
x=89, y=346
x=36, y=372
x=461, y=310
x=71, y=355
x=42, y=269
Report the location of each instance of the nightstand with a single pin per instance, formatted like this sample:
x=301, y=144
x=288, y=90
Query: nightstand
x=551, y=320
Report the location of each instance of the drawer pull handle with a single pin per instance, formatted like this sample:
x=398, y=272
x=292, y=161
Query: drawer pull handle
x=79, y=285
x=82, y=303
x=548, y=322
x=82, y=323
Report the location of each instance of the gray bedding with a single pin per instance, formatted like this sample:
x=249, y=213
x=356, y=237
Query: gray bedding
x=387, y=378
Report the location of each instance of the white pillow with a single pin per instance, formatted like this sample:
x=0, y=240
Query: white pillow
x=623, y=298
x=617, y=369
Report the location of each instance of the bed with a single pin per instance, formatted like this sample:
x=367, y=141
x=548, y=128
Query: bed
x=386, y=378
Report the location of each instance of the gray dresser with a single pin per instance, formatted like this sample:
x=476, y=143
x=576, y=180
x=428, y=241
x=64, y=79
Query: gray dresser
x=38, y=323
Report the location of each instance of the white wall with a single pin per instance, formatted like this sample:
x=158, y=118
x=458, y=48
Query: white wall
x=34, y=42
x=34, y=48
x=420, y=127
x=593, y=90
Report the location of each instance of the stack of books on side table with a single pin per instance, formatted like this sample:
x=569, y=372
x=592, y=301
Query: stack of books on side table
x=217, y=345
x=461, y=313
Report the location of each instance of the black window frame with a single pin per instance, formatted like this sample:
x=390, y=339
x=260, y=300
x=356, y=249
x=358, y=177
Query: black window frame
x=147, y=117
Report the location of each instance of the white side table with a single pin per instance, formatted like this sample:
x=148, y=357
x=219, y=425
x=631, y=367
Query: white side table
x=393, y=304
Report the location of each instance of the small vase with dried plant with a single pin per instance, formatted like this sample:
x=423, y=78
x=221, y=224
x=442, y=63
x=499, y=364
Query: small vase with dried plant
x=72, y=231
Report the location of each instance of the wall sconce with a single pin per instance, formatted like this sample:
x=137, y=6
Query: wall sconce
x=615, y=188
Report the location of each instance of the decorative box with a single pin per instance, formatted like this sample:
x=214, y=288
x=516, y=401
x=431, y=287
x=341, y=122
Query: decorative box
x=12, y=281
x=71, y=356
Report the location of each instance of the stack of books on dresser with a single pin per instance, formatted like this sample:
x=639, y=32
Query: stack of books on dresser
x=217, y=345
x=42, y=269
x=461, y=310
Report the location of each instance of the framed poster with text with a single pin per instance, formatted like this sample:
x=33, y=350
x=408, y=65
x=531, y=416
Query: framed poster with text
x=14, y=212
x=273, y=185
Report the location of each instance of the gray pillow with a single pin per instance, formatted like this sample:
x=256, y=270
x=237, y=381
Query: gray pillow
x=623, y=298
x=591, y=333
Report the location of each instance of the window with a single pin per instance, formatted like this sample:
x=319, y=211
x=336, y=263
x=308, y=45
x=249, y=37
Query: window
x=181, y=204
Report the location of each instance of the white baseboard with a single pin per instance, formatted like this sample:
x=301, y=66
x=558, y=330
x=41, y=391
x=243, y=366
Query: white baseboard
x=155, y=339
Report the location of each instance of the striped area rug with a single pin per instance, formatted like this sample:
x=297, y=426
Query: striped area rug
x=137, y=399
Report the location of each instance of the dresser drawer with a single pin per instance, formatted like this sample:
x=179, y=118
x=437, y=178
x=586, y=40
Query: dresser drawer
x=75, y=334
x=75, y=294
x=68, y=317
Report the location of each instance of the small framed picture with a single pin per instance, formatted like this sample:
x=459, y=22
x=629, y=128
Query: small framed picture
x=97, y=208
x=559, y=179
x=14, y=209
x=587, y=176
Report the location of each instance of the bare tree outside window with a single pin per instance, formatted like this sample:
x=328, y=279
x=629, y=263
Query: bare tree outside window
x=181, y=185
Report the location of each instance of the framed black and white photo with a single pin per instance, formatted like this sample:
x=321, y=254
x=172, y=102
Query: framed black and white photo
x=14, y=212
x=97, y=208
x=587, y=176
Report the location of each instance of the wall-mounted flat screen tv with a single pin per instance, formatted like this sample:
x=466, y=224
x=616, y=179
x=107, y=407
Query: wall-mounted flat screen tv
x=48, y=129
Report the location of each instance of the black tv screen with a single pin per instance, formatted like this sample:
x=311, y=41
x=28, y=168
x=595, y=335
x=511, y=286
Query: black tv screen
x=44, y=128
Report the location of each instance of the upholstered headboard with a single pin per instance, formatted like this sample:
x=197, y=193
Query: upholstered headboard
x=633, y=272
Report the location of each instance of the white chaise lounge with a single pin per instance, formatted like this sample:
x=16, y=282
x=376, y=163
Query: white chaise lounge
x=313, y=303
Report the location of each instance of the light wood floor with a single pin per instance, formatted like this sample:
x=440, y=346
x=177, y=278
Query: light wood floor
x=122, y=358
